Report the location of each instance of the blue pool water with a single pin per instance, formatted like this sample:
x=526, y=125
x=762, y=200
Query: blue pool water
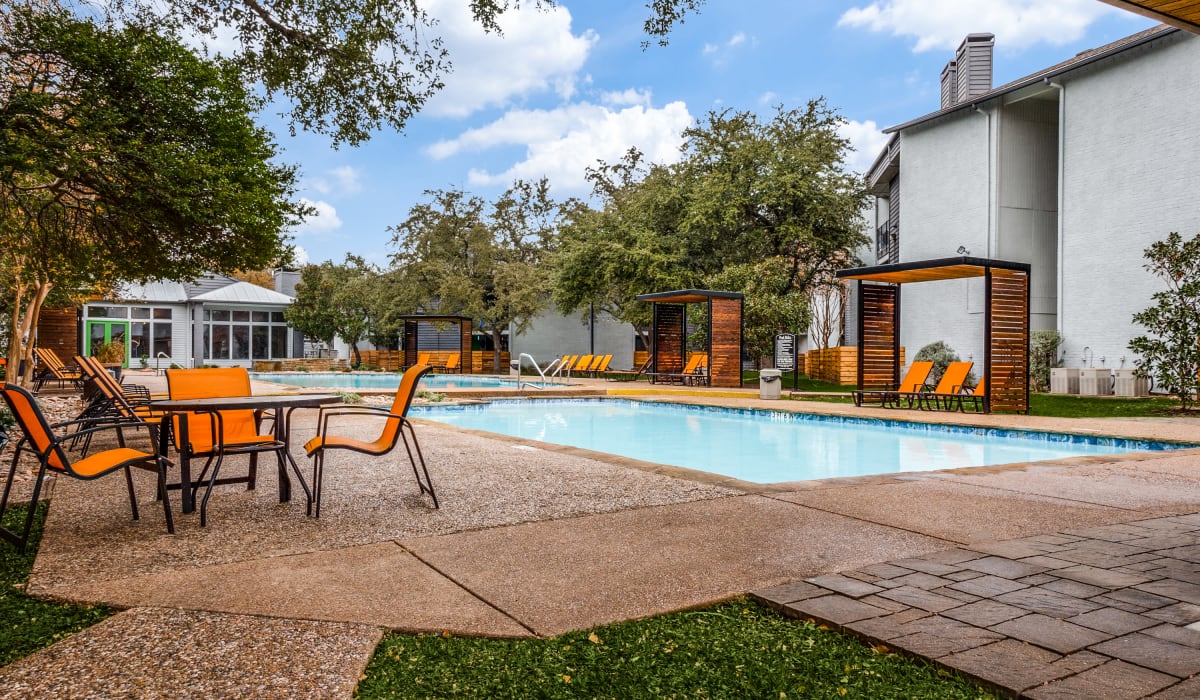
x=767, y=446
x=381, y=380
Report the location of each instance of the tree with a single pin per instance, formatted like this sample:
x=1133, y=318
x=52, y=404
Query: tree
x=334, y=301
x=125, y=157
x=480, y=261
x=1170, y=351
x=746, y=194
x=347, y=67
x=630, y=246
x=765, y=312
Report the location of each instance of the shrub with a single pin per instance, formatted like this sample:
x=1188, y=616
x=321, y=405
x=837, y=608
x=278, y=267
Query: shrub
x=350, y=397
x=430, y=396
x=1169, y=352
x=941, y=355
x=1043, y=354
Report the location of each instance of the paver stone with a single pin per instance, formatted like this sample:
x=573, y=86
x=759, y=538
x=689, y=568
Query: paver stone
x=1115, y=680
x=1051, y=633
x=1152, y=652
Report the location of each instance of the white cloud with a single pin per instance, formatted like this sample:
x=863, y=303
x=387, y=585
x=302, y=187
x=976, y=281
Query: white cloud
x=868, y=141
x=536, y=52
x=942, y=24
x=736, y=40
x=346, y=180
x=626, y=97
x=709, y=49
x=322, y=222
x=721, y=52
x=561, y=143
x=299, y=257
x=768, y=98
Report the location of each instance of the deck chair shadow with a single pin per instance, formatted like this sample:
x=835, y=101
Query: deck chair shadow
x=914, y=380
x=948, y=389
x=40, y=441
x=393, y=433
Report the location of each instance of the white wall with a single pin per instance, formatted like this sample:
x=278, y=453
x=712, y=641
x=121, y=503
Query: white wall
x=1132, y=175
x=552, y=335
x=1027, y=198
x=944, y=191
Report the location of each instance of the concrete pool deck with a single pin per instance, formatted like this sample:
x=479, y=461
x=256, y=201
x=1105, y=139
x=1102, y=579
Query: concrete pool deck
x=971, y=567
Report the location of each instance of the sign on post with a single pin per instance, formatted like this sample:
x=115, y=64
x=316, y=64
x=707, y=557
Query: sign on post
x=785, y=356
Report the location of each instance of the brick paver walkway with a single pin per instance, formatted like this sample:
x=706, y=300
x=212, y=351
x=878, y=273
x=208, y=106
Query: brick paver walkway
x=1111, y=612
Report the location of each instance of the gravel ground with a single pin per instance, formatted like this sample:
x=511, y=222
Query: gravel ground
x=480, y=482
x=159, y=653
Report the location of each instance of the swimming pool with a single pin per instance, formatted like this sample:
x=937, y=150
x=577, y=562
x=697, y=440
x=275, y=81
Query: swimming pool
x=768, y=446
x=381, y=380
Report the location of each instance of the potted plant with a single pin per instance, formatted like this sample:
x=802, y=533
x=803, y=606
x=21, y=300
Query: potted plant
x=111, y=353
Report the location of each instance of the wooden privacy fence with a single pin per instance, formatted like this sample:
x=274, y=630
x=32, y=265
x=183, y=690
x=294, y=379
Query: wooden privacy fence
x=838, y=365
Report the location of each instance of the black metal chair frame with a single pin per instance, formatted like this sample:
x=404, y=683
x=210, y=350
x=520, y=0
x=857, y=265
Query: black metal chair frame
x=57, y=447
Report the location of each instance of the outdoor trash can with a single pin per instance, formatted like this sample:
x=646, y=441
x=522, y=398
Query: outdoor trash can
x=769, y=383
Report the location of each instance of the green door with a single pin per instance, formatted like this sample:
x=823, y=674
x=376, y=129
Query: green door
x=101, y=332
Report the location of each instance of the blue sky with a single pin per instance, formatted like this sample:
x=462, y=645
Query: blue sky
x=566, y=87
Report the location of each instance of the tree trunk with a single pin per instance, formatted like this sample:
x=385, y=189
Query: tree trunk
x=24, y=327
x=496, y=369
x=356, y=355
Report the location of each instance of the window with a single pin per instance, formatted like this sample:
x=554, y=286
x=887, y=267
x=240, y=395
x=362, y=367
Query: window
x=107, y=312
x=237, y=334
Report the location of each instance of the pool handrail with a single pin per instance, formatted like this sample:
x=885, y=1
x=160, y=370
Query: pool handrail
x=532, y=361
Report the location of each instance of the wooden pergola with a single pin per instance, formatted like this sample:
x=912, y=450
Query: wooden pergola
x=669, y=333
x=1005, y=319
x=410, y=338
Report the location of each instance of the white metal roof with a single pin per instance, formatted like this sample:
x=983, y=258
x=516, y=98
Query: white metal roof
x=163, y=292
x=243, y=293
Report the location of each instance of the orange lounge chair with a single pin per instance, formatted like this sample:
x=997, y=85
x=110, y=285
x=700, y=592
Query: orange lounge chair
x=599, y=365
x=976, y=396
x=914, y=380
x=614, y=375
x=393, y=432
x=948, y=388
x=40, y=442
x=582, y=364
x=54, y=369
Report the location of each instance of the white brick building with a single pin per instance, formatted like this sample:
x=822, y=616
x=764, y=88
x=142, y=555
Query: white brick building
x=1075, y=169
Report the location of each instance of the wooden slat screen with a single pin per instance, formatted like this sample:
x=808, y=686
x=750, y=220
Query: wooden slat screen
x=668, y=337
x=877, y=366
x=466, y=366
x=725, y=362
x=1008, y=373
x=410, y=343
x=58, y=329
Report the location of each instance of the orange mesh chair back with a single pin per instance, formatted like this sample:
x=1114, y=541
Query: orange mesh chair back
x=949, y=386
x=694, y=364
x=582, y=363
x=40, y=441
x=912, y=384
x=916, y=377
x=423, y=358
x=394, y=426
x=238, y=427
x=454, y=362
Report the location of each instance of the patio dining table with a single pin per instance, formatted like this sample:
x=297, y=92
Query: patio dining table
x=282, y=404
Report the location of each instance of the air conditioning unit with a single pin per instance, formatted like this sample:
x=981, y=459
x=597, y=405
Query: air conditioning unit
x=1095, y=382
x=1064, y=380
x=1130, y=385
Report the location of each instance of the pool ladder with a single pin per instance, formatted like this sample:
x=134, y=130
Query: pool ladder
x=532, y=361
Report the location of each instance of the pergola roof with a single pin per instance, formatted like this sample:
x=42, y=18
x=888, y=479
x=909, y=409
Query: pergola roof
x=1184, y=14
x=423, y=317
x=930, y=270
x=687, y=296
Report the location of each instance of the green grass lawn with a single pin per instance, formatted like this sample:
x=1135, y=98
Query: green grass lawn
x=738, y=649
x=1062, y=406
x=28, y=624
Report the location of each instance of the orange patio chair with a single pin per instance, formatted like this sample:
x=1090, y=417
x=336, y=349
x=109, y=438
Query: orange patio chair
x=564, y=364
x=40, y=441
x=914, y=380
x=423, y=358
x=948, y=388
x=393, y=432
x=975, y=396
x=581, y=364
x=54, y=369
x=600, y=365
x=453, y=363
x=214, y=434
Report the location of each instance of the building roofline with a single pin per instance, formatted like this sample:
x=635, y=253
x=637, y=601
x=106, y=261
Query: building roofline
x=1080, y=60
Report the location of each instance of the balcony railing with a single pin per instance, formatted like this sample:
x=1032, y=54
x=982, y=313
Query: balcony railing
x=887, y=244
